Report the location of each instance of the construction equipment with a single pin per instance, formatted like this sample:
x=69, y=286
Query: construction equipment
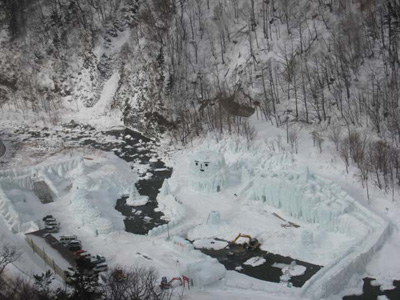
x=165, y=284
x=253, y=243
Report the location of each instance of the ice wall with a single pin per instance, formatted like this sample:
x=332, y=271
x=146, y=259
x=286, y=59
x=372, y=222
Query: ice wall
x=173, y=210
x=331, y=279
x=311, y=199
x=314, y=200
x=56, y=167
x=9, y=213
x=19, y=182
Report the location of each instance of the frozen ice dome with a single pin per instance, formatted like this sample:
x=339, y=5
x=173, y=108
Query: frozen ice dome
x=83, y=182
x=103, y=226
x=208, y=172
x=81, y=206
x=214, y=218
x=91, y=215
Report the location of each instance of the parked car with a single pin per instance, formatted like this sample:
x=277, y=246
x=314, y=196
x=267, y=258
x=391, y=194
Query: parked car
x=52, y=223
x=48, y=217
x=66, y=239
x=82, y=255
x=74, y=245
x=101, y=267
x=51, y=228
x=97, y=259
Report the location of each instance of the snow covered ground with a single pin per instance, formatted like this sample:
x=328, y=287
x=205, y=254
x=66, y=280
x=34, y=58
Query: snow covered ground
x=105, y=178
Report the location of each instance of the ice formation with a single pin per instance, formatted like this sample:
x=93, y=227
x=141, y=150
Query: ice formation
x=208, y=172
x=214, y=218
x=307, y=238
x=165, y=190
x=205, y=272
x=255, y=261
x=9, y=213
x=135, y=199
x=88, y=215
x=311, y=199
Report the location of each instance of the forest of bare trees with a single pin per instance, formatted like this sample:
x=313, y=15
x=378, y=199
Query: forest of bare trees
x=195, y=66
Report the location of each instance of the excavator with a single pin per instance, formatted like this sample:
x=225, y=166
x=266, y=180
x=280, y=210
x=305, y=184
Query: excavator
x=165, y=284
x=252, y=245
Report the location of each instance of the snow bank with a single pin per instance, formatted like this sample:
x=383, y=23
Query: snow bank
x=331, y=279
x=210, y=244
x=205, y=272
x=255, y=261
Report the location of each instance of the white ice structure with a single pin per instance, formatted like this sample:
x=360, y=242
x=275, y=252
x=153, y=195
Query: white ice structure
x=173, y=209
x=165, y=189
x=88, y=215
x=208, y=172
x=24, y=178
x=314, y=200
x=205, y=272
x=214, y=218
x=135, y=199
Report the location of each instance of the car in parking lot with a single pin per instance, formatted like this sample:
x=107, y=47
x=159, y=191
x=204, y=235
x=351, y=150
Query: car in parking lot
x=66, y=239
x=51, y=228
x=48, y=217
x=74, y=245
x=101, y=267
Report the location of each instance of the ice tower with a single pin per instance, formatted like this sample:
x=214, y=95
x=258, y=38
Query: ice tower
x=208, y=172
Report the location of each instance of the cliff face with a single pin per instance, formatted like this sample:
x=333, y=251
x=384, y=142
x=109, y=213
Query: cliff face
x=62, y=57
x=175, y=65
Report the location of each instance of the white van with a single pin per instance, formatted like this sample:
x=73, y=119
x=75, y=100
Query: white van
x=66, y=239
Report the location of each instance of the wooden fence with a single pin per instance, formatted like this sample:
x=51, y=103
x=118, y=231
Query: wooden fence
x=46, y=258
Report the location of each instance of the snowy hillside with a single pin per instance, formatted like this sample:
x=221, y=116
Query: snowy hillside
x=242, y=148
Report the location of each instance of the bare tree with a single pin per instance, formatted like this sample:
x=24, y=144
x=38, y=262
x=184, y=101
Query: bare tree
x=335, y=135
x=8, y=255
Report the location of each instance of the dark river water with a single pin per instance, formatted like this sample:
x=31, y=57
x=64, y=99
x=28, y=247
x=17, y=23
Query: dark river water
x=135, y=147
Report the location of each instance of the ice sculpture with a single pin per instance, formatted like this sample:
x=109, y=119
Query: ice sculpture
x=165, y=190
x=214, y=218
x=135, y=199
x=208, y=172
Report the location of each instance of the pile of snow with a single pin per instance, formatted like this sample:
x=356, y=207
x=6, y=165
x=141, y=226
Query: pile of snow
x=210, y=244
x=213, y=227
x=204, y=272
x=292, y=270
x=208, y=172
x=255, y=261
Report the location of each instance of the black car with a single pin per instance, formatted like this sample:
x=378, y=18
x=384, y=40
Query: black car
x=74, y=246
x=48, y=217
